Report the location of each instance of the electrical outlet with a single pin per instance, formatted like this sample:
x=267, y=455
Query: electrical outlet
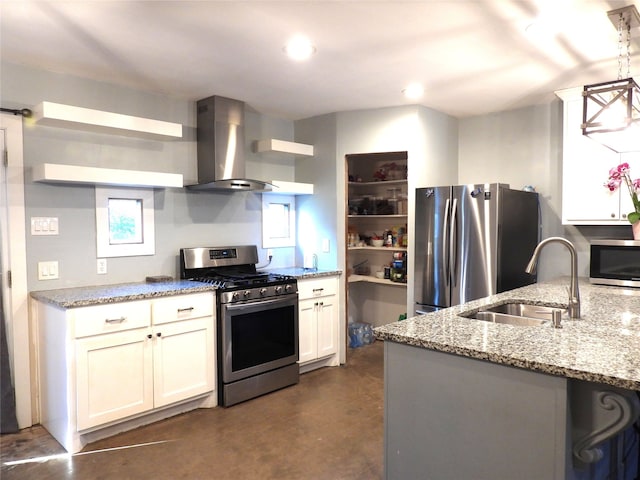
x=325, y=245
x=102, y=266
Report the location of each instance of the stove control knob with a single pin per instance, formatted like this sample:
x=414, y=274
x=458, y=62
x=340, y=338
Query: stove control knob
x=234, y=295
x=263, y=291
x=246, y=293
x=278, y=289
x=287, y=288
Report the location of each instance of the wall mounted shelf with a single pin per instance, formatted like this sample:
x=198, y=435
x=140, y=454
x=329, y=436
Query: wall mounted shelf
x=291, y=188
x=283, y=146
x=68, y=116
x=55, y=173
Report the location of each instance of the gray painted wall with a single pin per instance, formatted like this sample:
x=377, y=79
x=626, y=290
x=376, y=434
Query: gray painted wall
x=182, y=218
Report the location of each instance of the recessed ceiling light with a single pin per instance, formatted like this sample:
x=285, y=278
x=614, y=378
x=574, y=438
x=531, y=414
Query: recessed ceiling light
x=413, y=91
x=299, y=48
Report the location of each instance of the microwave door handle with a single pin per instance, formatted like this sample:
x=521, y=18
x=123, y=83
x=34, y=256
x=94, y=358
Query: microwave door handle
x=445, y=242
x=453, y=242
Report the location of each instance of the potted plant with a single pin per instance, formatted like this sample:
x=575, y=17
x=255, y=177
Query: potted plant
x=616, y=177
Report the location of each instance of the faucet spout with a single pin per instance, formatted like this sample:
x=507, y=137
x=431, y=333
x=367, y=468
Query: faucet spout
x=574, y=293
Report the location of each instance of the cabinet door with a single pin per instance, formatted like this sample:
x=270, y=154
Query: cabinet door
x=183, y=360
x=307, y=330
x=114, y=377
x=586, y=166
x=327, y=326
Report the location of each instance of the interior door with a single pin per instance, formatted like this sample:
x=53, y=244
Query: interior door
x=432, y=269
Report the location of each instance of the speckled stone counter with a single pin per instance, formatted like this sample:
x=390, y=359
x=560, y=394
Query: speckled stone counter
x=96, y=295
x=302, y=273
x=603, y=346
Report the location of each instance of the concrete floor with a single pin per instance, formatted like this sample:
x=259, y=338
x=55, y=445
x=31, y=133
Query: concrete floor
x=329, y=426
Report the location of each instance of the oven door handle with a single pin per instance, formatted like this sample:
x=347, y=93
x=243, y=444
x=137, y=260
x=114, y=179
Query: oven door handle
x=263, y=303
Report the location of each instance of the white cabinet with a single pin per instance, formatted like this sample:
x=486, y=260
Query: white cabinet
x=585, y=169
x=123, y=363
x=318, y=323
x=184, y=355
x=114, y=377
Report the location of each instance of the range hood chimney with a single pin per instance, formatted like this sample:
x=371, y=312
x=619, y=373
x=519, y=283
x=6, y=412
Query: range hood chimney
x=220, y=145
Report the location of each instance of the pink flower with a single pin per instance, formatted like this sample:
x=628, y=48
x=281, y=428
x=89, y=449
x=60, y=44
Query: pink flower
x=636, y=184
x=613, y=184
x=623, y=168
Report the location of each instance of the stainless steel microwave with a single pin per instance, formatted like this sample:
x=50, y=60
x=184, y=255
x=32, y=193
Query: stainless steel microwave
x=615, y=262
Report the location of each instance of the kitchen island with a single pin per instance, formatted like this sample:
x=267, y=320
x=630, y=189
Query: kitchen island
x=466, y=398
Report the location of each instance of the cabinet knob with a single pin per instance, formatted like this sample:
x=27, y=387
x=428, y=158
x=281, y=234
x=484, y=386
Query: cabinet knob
x=149, y=336
x=159, y=334
x=613, y=215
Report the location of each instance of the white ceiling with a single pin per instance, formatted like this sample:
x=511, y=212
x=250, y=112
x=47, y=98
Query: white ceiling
x=473, y=56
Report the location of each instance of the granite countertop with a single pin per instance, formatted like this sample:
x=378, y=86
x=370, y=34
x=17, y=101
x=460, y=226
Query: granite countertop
x=603, y=346
x=303, y=273
x=101, y=294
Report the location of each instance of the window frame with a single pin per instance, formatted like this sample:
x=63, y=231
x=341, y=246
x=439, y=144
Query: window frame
x=103, y=246
x=276, y=242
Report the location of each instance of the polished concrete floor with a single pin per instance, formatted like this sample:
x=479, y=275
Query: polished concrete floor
x=329, y=426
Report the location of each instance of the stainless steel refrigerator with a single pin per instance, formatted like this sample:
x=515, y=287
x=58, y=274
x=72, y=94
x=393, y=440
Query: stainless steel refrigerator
x=472, y=241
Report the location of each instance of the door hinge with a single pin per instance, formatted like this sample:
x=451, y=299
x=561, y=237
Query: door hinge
x=9, y=278
x=5, y=158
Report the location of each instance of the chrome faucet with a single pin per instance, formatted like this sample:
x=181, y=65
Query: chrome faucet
x=574, y=293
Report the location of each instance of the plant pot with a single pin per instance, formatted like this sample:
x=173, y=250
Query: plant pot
x=635, y=227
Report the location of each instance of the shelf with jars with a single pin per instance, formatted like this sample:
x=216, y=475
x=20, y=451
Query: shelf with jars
x=376, y=243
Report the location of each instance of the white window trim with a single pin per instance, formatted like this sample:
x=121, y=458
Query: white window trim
x=275, y=242
x=103, y=247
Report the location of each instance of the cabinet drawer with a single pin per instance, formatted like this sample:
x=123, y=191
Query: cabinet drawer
x=114, y=317
x=182, y=307
x=317, y=287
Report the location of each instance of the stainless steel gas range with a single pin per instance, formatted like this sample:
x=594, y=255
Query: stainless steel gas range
x=257, y=321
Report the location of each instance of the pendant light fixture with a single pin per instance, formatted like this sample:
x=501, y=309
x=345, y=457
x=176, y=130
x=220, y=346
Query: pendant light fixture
x=611, y=110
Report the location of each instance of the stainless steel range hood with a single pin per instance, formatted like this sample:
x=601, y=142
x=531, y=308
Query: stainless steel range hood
x=220, y=134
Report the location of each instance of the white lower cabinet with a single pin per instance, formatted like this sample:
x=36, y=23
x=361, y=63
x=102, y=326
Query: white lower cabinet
x=114, y=377
x=318, y=323
x=121, y=365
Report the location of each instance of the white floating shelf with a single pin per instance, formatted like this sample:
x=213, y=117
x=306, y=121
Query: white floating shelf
x=369, y=279
x=55, y=173
x=291, y=188
x=59, y=115
x=283, y=146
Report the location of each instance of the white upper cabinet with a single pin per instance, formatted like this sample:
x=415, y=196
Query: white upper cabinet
x=585, y=170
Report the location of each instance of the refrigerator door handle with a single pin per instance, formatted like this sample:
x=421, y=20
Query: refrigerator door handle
x=445, y=242
x=453, y=252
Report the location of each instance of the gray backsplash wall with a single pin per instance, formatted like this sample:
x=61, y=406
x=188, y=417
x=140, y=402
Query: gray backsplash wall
x=524, y=147
x=182, y=218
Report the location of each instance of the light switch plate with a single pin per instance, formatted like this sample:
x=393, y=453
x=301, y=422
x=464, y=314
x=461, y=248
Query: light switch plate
x=325, y=245
x=44, y=226
x=47, y=270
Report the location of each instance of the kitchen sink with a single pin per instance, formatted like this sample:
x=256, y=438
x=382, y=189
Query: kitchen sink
x=519, y=314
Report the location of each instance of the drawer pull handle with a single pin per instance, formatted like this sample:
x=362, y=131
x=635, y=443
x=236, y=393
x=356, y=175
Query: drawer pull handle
x=115, y=320
x=318, y=289
x=180, y=310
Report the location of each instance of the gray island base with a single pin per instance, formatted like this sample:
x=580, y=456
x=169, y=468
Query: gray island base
x=467, y=399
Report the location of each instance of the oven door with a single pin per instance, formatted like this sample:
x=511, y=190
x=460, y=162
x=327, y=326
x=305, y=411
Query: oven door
x=258, y=336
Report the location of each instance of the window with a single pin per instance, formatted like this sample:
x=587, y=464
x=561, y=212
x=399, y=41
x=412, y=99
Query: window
x=278, y=221
x=124, y=222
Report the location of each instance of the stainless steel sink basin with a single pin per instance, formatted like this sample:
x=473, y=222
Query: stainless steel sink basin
x=519, y=314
